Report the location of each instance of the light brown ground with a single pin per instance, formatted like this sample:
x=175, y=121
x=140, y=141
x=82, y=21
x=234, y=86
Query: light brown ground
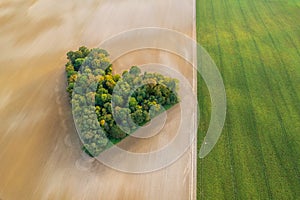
x=40, y=155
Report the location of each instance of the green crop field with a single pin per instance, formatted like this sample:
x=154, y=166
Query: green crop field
x=256, y=45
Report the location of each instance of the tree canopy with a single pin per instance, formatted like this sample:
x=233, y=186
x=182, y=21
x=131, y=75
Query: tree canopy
x=120, y=103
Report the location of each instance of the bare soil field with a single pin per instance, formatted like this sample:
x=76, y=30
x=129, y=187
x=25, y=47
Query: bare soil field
x=41, y=156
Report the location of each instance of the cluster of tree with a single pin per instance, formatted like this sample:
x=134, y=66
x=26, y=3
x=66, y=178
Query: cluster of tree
x=110, y=107
x=95, y=61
